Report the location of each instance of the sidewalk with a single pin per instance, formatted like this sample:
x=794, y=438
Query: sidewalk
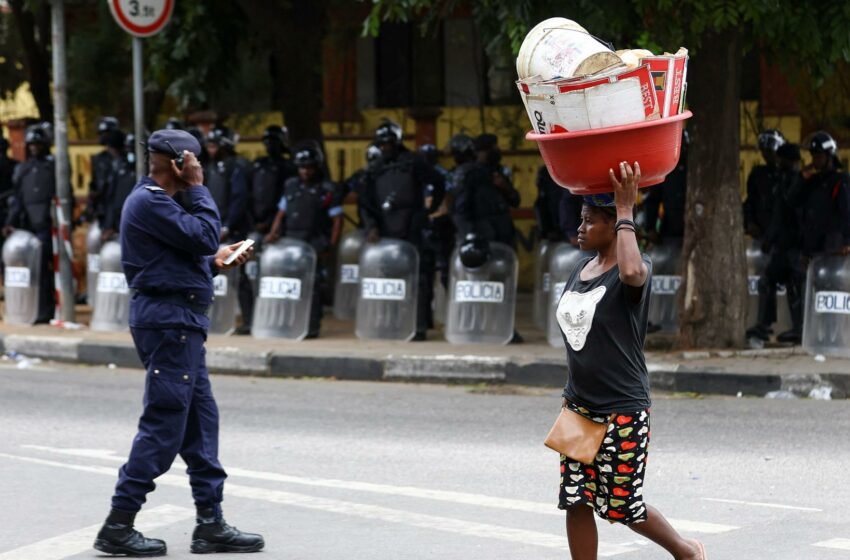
x=338, y=354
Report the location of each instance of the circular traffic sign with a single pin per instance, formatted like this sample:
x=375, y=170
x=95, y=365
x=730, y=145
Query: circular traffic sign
x=141, y=18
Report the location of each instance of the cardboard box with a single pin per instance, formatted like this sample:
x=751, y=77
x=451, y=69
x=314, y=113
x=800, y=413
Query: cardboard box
x=608, y=104
x=543, y=114
x=669, y=76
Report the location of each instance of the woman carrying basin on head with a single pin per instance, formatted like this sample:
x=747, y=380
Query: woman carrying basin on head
x=603, y=318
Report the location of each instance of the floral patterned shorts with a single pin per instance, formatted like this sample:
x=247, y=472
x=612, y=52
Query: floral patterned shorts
x=613, y=484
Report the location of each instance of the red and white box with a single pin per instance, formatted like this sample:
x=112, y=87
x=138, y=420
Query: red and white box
x=669, y=76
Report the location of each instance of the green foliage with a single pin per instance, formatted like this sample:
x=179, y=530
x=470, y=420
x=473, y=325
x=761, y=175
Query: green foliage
x=12, y=73
x=793, y=32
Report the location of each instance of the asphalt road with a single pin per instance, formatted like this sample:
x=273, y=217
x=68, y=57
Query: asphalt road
x=356, y=471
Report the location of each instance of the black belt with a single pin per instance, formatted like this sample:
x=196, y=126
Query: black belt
x=179, y=299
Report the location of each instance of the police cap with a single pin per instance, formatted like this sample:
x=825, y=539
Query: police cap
x=168, y=142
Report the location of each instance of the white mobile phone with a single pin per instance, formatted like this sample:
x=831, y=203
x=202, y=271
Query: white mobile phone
x=235, y=254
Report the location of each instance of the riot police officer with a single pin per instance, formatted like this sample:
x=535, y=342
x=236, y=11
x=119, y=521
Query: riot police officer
x=112, y=139
x=669, y=226
x=7, y=171
x=228, y=179
x=484, y=199
x=439, y=234
x=34, y=182
x=121, y=182
x=268, y=176
x=357, y=182
x=169, y=254
x=313, y=213
x=393, y=205
x=761, y=184
x=547, y=206
x=782, y=239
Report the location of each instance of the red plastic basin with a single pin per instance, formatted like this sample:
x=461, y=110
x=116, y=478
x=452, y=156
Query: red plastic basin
x=579, y=161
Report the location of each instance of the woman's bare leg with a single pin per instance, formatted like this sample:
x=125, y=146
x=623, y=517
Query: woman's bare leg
x=658, y=530
x=581, y=532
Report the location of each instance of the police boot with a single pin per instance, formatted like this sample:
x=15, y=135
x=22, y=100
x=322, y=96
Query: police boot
x=793, y=336
x=117, y=536
x=212, y=534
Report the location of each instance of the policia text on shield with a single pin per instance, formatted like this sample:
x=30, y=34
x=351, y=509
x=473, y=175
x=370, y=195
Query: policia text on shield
x=170, y=232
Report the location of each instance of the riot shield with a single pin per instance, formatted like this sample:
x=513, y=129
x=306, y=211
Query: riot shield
x=223, y=310
x=482, y=301
x=22, y=261
x=386, y=308
x=756, y=264
x=287, y=276
x=826, y=325
x=347, y=286
x=94, y=242
x=563, y=258
x=542, y=283
x=663, y=308
x=112, y=295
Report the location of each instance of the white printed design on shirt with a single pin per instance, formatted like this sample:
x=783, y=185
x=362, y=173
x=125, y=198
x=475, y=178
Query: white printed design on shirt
x=575, y=315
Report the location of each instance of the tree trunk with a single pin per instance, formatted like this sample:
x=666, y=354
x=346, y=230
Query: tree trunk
x=35, y=33
x=713, y=298
x=295, y=32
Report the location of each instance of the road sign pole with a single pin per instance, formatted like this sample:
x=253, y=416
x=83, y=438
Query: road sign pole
x=138, y=105
x=60, y=131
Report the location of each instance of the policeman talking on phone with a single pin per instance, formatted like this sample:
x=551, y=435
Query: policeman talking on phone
x=170, y=253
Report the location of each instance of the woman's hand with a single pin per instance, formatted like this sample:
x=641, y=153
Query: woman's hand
x=625, y=190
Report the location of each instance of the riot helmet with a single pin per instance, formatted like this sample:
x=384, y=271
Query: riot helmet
x=373, y=153
x=388, y=133
x=221, y=136
x=770, y=139
x=822, y=143
x=474, y=252
x=174, y=124
x=38, y=134
x=106, y=124
x=430, y=153
x=307, y=155
x=130, y=147
x=487, y=146
x=275, y=139
x=462, y=148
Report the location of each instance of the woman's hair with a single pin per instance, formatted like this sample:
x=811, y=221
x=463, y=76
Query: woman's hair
x=607, y=212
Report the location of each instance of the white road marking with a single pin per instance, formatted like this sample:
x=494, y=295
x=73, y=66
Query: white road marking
x=438, y=523
x=75, y=542
x=837, y=544
x=464, y=498
x=761, y=504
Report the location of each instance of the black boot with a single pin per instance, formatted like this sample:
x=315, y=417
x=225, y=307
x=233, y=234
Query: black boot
x=117, y=536
x=212, y=534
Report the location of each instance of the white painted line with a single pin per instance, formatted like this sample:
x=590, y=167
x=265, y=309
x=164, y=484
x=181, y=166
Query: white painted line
x=761, y=504
x=445, y=524
x=837, y=544
x=464, y=498
x=81, y=540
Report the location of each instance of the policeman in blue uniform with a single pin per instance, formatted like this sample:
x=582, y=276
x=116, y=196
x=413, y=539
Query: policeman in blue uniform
x=34, y=182
x=169, y=256
x=313, y=212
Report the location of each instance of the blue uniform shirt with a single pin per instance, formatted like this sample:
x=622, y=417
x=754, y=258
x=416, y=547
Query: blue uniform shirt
x=167, y=250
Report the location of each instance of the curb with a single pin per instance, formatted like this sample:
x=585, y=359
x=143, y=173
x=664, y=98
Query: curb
x=451, y=368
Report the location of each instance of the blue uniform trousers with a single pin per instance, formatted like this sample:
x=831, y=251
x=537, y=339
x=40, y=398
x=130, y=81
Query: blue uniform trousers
x=180, y=416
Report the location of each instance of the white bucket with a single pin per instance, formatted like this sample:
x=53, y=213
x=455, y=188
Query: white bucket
x=559, y=47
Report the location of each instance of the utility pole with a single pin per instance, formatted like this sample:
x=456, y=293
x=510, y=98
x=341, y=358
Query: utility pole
x=63, y=183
